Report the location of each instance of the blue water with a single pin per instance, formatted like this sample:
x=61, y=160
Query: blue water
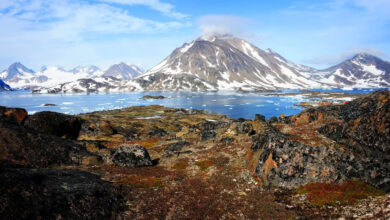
x=234, y=105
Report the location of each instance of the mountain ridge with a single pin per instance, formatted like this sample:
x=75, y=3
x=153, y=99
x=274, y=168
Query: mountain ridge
x=212, y=63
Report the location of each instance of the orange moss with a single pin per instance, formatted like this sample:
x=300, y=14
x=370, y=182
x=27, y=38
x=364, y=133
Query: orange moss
x=330, y=194
x=181, y=165
x=92, y=148
x=142, y=181
x=302, y=119
x=382, y=127
x=268, y=165
x=320, y=116
x=204, y=164
x=356, y=123
x=18, y=114
x=147, y=143
x=252, y=158
x=91, y=160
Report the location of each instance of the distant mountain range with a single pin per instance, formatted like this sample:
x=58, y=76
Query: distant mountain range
x=54, y=78
x=219, y=62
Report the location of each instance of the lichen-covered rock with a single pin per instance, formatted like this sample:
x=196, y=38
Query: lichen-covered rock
x=132, y=156
x=54, y=123
x=17, y=115
x=361, y=131
x=37, y=149
x=289, y=164
x=259, y=117
x=56, y=194
x=245, y=128
x=366, y=127
x=157, y=132
x=174, y=148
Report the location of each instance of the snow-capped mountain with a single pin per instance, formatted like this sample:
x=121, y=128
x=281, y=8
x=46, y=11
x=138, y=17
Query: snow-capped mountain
x=223, y=63
x=361, y=71
x=123, y=71
x=15, y=73
x=87, y=85
x=219, y=62
x=4, y=86
x=91, y=79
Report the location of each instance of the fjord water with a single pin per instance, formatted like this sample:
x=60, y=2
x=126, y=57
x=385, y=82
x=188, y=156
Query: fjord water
x=232, y=104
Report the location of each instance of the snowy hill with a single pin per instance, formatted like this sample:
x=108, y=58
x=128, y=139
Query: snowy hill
x=123, y=71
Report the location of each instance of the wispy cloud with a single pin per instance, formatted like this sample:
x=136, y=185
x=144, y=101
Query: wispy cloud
x=74, y=21
x=165, y=8
x=72, y=32
x=227, y=24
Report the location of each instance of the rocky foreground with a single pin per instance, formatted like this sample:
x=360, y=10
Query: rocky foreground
x=152, y=162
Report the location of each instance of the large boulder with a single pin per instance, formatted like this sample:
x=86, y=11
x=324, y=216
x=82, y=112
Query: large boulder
x=289, y=164
x=56, y=194
x=259, y=117
x=132, y=156
x=54, y=123
x=174, y=148
x=36, y=149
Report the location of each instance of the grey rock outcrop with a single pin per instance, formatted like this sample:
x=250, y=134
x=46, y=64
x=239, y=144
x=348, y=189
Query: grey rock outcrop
x=132, y=156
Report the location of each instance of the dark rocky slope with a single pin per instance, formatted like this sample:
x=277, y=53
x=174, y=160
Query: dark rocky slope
x=352, y=141
x=56, y=194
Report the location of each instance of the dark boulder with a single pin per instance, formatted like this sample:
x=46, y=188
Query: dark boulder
x=289, y=164
x=132, y=156
x=227, y=140
x=36, y=149
x=259, y=117
x=273, y=119
x=157, y=132
x=174, y=148
x=54, y=123
x=208, y=134
x=212, y=125
x=245, y=128
x=56, y=194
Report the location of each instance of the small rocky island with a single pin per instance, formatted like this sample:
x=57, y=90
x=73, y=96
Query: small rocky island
x=153, y=97
x=325, y=162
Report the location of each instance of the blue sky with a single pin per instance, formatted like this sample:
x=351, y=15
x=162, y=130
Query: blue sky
x=69, y=33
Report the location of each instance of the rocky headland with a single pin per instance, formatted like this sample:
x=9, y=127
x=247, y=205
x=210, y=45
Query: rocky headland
x=153, y=162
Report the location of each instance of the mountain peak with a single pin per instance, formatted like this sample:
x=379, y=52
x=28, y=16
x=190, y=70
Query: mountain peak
x=14, y=71
x=18, y=65
x=123, y=71
x=364, y=56
x=213, y=37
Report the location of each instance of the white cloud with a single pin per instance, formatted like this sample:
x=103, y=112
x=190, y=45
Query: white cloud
x=223, y=24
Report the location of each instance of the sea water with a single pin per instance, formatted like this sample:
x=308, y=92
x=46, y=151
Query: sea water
x=232, y=104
